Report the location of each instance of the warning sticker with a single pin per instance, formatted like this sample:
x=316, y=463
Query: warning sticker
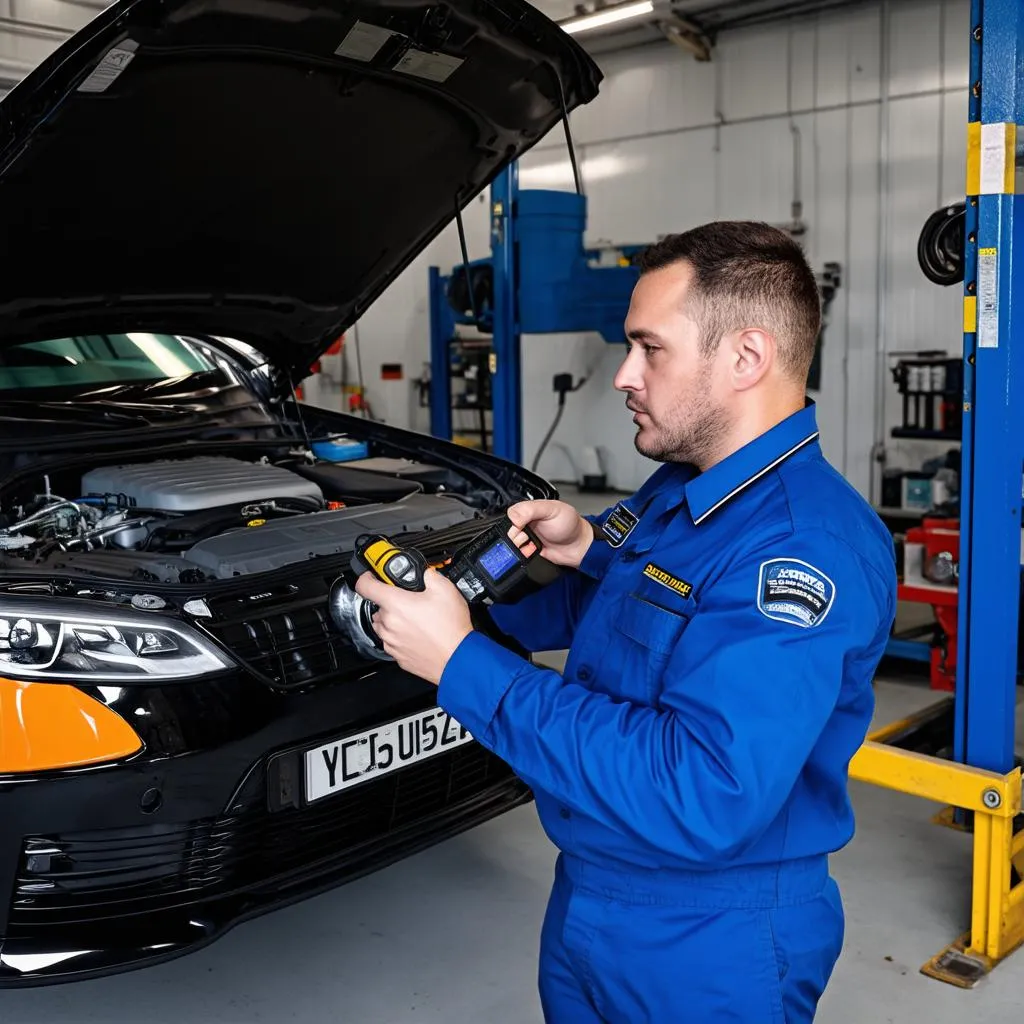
x=364, y=41
x=988, y=299
x=437, y=67
x=793, y=591
x=996, y=158
x=110, y=68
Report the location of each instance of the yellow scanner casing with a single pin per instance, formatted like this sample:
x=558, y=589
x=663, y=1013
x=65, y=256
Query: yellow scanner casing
x=376, y=554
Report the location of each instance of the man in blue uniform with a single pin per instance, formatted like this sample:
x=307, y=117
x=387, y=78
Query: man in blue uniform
x=724, y=624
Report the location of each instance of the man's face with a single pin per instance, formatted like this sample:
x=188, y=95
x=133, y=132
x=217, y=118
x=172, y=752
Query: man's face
x=675, y=392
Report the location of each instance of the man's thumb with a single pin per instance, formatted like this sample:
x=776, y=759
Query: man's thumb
x=522, y=513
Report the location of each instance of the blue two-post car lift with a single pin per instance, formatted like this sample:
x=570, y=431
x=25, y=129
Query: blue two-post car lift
x=980, y=782
x=538, y=279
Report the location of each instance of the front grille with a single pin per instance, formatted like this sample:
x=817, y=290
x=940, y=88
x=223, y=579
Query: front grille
x=78, y=878
x=293, y=644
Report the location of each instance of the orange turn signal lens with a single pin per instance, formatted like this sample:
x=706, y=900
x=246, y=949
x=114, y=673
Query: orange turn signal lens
x=51, y=725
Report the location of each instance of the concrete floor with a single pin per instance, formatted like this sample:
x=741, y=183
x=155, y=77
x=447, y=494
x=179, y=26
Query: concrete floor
x=451, y=936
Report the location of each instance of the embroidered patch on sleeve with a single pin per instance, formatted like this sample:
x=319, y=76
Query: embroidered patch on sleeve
x=793, y=591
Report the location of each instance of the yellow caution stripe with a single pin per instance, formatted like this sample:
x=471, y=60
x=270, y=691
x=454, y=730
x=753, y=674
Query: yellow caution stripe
x=970, y=314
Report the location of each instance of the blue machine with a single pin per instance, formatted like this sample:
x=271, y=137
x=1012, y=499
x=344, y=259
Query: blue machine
x=539, y=279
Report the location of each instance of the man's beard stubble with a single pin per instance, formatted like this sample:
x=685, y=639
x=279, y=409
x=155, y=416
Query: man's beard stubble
x=692, y=435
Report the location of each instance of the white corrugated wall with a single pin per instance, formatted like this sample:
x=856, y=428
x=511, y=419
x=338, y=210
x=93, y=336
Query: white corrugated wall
x=878, y=96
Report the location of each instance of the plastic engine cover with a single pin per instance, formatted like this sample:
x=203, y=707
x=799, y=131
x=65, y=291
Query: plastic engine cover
x=191, y=485
x=281, y=542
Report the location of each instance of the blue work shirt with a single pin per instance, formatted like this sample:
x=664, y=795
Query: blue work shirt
x=719, y=677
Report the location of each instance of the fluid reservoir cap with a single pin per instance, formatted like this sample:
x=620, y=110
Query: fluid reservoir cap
x=148, y=602
x=198, y=608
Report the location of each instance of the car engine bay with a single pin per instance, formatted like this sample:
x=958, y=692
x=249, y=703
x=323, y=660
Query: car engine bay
x=202, y=518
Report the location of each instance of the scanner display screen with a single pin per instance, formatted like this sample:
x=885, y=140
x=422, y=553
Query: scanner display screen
x=498, y=559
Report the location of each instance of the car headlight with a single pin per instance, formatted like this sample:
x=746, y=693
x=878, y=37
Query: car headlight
x=40, y=640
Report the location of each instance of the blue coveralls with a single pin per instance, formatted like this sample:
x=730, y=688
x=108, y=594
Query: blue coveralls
x=691, y=762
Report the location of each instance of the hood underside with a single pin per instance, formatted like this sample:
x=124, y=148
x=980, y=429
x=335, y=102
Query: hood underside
x=260, y=169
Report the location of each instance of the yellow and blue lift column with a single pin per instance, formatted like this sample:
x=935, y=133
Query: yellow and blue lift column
x=982, y=782
x=993, y=441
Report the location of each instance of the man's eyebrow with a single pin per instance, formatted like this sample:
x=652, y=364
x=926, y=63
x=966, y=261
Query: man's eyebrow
x=641, y=334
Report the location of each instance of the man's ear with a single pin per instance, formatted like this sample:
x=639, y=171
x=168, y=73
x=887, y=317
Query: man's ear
x=752, y=352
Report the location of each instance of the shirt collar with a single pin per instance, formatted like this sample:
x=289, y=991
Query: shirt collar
x=713, y=488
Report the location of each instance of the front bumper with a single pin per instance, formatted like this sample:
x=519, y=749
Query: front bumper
x=111, y=868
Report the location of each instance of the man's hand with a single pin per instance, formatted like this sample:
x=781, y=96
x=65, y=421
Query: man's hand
x=564, y=534
x=419, y=630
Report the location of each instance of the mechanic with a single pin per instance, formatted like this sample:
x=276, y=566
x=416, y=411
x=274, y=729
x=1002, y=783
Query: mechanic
x=724, y=624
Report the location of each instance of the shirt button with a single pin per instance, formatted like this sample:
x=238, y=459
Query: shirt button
x=565, y=813
x=584, y=672
x=629, y=556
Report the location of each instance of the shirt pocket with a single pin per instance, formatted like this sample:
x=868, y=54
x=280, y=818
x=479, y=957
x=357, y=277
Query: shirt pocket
x=647, y=634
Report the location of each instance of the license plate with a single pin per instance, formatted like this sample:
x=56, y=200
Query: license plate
x=365, y=756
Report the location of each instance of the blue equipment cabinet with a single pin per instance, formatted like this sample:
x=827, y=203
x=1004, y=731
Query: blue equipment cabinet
x=539, y=279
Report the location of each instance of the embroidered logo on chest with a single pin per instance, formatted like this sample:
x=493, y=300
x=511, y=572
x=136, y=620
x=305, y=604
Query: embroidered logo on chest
x=793, y=591
x=619, y=524
x=666, y=579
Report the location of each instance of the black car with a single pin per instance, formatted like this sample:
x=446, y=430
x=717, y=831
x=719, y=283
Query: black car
x=177, y=709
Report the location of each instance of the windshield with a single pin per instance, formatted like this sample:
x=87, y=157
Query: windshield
x=89, y=360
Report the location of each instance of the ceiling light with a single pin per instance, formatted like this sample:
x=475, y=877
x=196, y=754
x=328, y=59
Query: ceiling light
x=609, y=16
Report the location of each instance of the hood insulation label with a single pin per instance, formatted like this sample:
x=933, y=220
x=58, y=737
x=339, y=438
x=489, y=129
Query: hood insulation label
x=109, y=69
x=364, y=41
x=436, y=67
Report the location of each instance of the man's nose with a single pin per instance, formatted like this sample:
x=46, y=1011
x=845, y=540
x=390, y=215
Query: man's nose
x=629, y=377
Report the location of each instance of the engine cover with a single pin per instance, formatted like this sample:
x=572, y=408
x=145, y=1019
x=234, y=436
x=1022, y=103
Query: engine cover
x=191, y=485
x=288, y=541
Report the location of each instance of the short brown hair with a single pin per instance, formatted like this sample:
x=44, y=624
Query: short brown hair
x=747, y=274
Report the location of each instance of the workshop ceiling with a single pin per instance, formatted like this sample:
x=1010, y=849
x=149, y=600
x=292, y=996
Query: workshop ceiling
x=717, y=15
x=699, y=19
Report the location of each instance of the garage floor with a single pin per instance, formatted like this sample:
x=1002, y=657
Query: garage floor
x=451, y=936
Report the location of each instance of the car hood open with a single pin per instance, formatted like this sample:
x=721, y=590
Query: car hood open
x=260, y=169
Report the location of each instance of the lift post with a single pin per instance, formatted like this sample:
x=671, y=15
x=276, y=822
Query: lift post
x=540, y=278
x=982, y=781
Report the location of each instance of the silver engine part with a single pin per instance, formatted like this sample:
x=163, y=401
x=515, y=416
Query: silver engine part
x=195, y=484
